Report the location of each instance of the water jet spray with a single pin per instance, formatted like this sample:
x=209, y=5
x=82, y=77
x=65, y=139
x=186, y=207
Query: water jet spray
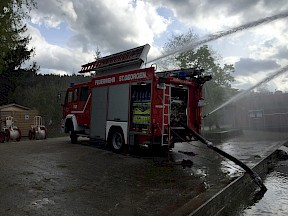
x=241, y=94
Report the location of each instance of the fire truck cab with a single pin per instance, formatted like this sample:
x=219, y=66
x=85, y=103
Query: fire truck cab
x=134, y=107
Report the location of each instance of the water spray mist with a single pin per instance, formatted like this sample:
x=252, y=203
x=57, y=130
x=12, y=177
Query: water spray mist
x=241, y=94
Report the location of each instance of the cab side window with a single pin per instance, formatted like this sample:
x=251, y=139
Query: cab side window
x=75, y=94
x=68, y=97
x=84, y=93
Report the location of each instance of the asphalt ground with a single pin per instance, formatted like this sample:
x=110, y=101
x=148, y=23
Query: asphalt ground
x=54, y=177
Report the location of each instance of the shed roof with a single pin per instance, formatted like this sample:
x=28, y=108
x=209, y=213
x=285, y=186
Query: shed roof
x=13, y=106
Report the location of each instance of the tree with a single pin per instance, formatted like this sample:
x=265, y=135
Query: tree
x=219, y=88
x=97, y=54
x=32, y=92
x=14, y=50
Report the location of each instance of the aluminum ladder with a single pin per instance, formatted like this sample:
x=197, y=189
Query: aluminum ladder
x=166, y=106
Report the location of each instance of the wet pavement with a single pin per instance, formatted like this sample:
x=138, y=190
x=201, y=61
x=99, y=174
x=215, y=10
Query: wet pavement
x=251, y=148
x=54, y=177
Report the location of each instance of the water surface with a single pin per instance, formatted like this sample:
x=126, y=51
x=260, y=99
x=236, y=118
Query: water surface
x=275, y=200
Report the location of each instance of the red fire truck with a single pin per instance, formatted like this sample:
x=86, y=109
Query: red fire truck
x=124, y=105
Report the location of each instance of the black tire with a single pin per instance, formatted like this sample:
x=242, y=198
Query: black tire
x=45, y=137
x=2, y=136
x=20, y=135
x=116, y=140
x=7, y=135
x=73, y=137
x=33, y=133
x=30, y=135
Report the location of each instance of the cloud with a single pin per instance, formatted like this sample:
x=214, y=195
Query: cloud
x=51, y=13
x=110, y=25
x=246, y=66
x=218, y=15
x=282, y=53
x=56, y=59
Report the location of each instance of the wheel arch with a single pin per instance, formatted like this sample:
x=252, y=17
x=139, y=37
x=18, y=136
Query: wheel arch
x=112, y=126
x=71, y=123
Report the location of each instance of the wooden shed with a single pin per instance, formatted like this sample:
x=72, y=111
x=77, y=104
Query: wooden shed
x=23, y=117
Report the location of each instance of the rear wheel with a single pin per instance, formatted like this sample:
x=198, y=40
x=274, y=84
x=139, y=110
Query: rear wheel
x=116, y=140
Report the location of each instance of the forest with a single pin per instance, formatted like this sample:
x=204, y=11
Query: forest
x=44, y=93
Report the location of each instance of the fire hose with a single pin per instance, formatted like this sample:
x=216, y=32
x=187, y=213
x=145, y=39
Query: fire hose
x=256, y=178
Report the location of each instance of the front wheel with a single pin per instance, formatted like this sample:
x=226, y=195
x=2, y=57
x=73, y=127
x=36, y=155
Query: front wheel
x=116, y=141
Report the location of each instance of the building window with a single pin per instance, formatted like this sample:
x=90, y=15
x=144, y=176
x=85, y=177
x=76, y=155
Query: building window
x=255, y=113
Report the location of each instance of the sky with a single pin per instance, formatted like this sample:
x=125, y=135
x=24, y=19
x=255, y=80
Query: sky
x=66, y=33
